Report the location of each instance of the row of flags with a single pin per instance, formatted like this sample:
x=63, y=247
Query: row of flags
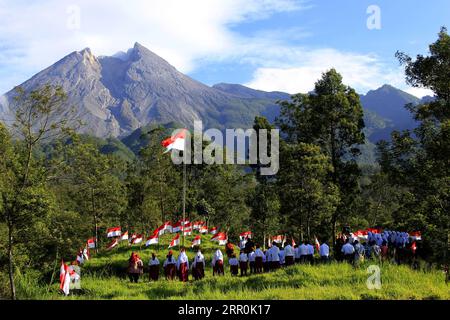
x=367, y=233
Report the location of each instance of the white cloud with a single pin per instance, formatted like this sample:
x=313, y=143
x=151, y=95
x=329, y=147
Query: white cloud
x=33, y=35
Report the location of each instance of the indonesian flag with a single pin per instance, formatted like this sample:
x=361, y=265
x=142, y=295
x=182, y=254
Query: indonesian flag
x=277, y=239
x=91, y=243
x=203, y=229
x=185, y=222
x=64, y=278
x=220, y=237
x=293, y=242
x=317, y=244
x=152, y=240
x=416, y=235
x=113, y=244
x=176, y=227
x=176, y=141
x=113, y=232
x=175, y=241
x=245, y=235
x=167, y=226
x=196, y=225
x=187, y=231
x=361, y=234
x=137, y=239
x=213, y=230
x=124, y=236
x=196, y=241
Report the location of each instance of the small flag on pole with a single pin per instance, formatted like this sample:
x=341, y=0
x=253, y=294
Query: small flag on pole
x=196, y=242
x=113, y=232
x=176, y=142
x=137, y=239
x=203, y=229
x=124, y=236
x=317, y=244
x=245, y=235
x=91, y=243
x=175, y=241
x=176, y=227
x=153, y=239
x=112, y=244
x=213, y=230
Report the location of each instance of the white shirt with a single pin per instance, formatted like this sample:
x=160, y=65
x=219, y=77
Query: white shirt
x=182, y=258
x=199, y=258
x=297, y=253
x=348, y=248
x=274, y=252
x=259, y=253
x=289, y=251
x=243, y=257
x=233, y=261
x=303, y=249
x=167, y=262
x=217, y=256
x=251, y=256
x=324, y=250
x=153, y=262
x=310, y=249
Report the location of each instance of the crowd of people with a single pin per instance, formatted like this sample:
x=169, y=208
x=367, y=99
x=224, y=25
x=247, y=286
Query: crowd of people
x=250, y=258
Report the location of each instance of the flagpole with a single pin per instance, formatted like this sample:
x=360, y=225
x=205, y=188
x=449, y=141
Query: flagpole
x=184, y=197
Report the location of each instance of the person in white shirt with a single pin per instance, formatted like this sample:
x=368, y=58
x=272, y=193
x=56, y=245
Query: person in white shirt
x=324, y=252
x=183, y=265
x=251, y=260
x=259, y=259
x=170, y=266
x=310, y=256
x=303, y=250
x=274, y=256
x=153, y=268
x=217, y=263
x=289, y=255
x=348, y=250
x=297, y=253
x=198, y=266
x=281, y=255
x=243, y=263
x=234, y=265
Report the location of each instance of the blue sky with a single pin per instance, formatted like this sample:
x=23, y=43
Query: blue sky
x=265, y=44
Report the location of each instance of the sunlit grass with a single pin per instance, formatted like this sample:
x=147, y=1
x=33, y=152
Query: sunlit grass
x=104, y=277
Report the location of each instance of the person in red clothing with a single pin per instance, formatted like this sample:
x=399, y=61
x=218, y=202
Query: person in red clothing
x=229, y=249
x=183, y=265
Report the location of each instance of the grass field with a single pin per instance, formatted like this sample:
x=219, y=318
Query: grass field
x=104, y=277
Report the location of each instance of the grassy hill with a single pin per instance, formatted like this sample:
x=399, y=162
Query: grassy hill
x=104, y=277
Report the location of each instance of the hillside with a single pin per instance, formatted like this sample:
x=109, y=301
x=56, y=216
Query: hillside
x=104, y=277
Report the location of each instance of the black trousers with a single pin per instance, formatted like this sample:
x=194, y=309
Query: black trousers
x=134, y=277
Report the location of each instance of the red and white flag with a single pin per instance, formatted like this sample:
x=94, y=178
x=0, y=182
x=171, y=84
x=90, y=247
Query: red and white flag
x=374, y=230
x=175, y=241
x=293, y=242
x=277, y=239
x=113, y=232
x=86, y=253
x=416, y=235
x=91, y=243
x=317, y=244
x=196, y=242
x=245, y=235
x=196, y=225
x=176, y=227
x=64, y=278
x=360, y=234
x=166, y=227
x=203, y=229
x=112, y=244
x=177, y=141
x=153, y=239
x=187, y=231
x=213, y=230
x=219, y=236
x=124, y=236
x=137, y=239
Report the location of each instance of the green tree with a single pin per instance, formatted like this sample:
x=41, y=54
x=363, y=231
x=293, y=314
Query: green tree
x=330, y=117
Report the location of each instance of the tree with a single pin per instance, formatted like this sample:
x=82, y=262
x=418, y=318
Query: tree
x=419, y=161
x=330, y=117
x=40, y=115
